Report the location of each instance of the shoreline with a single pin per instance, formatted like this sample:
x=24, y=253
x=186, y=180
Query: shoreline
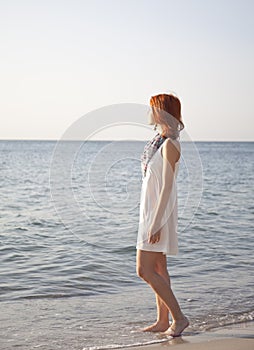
x=238, y=336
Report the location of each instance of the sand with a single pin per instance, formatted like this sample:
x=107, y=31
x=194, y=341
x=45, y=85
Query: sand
x=220, y=344
x=234, y=337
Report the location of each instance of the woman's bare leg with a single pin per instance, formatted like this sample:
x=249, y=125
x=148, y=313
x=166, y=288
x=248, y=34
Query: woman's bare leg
x=162, y=323
x=146, y=269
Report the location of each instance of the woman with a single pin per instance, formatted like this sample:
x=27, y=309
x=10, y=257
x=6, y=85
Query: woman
x=157, y=234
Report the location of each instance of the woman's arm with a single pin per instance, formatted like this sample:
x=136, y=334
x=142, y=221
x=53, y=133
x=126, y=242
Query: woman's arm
x=170, y=155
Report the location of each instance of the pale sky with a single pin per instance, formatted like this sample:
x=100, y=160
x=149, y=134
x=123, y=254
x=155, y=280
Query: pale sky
x=61, y=59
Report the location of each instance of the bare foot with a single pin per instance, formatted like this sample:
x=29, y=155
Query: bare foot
x=157, y=327
x=177, y=327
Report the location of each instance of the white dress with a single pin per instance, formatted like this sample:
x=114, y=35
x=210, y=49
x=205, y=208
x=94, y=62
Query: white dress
x=150, y=191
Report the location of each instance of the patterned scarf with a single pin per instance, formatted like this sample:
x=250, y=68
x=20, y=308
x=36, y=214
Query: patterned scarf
x=150, y=148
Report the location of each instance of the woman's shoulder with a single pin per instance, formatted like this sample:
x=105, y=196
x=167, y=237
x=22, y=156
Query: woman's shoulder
x=172, y=148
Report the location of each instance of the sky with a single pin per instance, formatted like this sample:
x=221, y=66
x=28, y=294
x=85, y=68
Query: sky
x=62, y=59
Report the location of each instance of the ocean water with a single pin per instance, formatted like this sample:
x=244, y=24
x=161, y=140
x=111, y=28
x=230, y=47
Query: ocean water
x=68, y=277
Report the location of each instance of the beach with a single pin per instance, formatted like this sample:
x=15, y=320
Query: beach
x=233, y=337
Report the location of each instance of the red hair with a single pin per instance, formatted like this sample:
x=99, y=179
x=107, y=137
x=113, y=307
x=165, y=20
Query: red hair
x=172, y=106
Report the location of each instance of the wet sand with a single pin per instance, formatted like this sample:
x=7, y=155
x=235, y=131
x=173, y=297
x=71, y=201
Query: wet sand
x=234, y=337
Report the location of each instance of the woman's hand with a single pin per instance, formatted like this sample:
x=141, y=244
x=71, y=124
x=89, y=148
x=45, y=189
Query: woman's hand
x=155, y=237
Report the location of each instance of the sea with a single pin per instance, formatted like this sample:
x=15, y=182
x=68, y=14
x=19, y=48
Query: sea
x=68, y=227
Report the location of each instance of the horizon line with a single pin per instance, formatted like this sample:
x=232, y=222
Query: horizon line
x=120, y=140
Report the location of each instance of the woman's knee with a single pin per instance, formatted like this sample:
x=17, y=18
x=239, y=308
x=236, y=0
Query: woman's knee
x=140, y=271
x=145, y=273
x=146, y=265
